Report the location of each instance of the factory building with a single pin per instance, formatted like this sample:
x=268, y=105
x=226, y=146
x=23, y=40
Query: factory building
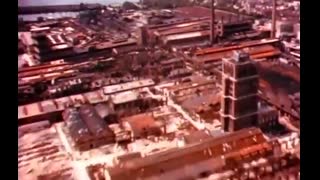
x=211, y=58
x=50, y=46
x=87, y=129
x=195, y=160
x=141, y=126
x=239, y=106
x=171, y=64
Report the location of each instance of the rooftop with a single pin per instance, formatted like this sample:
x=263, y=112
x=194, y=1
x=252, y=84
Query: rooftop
x=124, y=97
x=187, y=35
x=127, y=86
x=177, y=157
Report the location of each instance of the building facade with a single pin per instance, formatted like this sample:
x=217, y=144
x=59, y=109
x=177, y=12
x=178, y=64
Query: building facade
x=239, y=108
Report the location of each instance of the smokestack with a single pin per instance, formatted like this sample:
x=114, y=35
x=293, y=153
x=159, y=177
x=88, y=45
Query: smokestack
x=274, y=18
x=212, y=39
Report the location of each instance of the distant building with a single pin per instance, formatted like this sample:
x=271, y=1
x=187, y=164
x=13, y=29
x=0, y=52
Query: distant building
x=239, y=106
x=49, y=46
x=166, y=4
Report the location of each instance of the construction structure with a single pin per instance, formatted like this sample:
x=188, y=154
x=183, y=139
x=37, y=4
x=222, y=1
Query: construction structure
x=239, y=106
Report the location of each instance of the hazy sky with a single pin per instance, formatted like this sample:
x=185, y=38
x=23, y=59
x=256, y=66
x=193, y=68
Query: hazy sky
x=59, y=2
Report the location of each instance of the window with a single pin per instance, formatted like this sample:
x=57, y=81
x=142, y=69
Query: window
x=227, y=106
x=246, y=71
x=246, y=87
x=226, y=124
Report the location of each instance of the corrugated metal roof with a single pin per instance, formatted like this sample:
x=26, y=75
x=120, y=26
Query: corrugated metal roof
x=187, y=35
x=77, y=128
x=235, y=47
x=127, y=86
x=124, y=97
x=94, y=122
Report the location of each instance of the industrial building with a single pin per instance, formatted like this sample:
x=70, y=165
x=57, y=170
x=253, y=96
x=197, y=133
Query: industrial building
x=87, y=129
x=141, y=126
x=142, y=92
x=196, y=160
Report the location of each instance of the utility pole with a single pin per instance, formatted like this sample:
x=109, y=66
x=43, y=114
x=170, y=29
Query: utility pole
x=274, y=18
x=212, y=33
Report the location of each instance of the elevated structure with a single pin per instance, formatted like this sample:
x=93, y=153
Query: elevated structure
x=239, y=108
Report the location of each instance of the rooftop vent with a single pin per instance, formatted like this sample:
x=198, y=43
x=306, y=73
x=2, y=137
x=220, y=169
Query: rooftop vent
x=240, y=56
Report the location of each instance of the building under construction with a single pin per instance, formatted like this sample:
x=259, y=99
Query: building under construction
x=240, y=93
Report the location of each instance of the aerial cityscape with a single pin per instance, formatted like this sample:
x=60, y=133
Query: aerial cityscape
x=159, y=90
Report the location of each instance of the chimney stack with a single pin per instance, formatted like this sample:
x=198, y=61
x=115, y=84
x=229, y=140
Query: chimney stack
x=212, y=35
x=274, y=18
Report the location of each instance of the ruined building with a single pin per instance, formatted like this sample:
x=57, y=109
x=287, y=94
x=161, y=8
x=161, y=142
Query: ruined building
x=239, y=107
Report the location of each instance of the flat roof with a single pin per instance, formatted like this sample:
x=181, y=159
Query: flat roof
x=182, y=27
x=114, y=44
x=234, y=47
x=94, y=96
x=187, y=35
x=255, y=52
x=153, y=163
x=124, y=97
x=127, y=86
x=55, y=105
x=140, y=122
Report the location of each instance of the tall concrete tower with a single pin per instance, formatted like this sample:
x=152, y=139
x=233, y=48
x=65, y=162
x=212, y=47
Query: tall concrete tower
x=212, y=30
x=239, y=104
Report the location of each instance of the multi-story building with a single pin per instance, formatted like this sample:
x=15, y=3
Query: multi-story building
x=239, y=107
